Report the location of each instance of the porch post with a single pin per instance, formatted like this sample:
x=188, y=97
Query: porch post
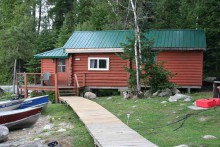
x=56, y=88
x=84, y=79
x=70, y=70
x=25, y=86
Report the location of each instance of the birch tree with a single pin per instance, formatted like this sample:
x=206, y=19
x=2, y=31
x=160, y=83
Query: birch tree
x=137, y=48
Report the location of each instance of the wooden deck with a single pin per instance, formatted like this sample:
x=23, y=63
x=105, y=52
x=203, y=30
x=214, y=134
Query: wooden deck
x=106, y=129
x=45, y=88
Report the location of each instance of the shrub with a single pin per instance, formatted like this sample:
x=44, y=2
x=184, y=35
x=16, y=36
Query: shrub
x=51, y=95
x=157, y=77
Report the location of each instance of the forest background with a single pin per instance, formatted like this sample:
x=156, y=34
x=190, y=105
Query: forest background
x=28, y=27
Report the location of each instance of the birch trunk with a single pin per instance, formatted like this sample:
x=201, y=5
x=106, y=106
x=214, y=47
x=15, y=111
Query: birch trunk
x=137, y=48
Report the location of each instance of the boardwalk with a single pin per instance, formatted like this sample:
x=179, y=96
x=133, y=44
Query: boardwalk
x=106, y=129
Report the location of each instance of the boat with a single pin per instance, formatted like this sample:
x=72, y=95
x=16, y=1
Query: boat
x=10, y=104
x=19, y=119
x=39, y=101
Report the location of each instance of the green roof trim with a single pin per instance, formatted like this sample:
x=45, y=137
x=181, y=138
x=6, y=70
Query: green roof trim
x=179, y=39
x=55, y=53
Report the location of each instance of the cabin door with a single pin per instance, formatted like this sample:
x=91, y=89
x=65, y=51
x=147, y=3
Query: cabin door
x=62, y=72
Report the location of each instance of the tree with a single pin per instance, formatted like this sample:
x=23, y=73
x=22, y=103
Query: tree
x=137, y=48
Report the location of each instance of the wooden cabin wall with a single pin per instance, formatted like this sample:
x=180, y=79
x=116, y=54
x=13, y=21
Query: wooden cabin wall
x=187, y=65
x=48, y=65
x=116, y=76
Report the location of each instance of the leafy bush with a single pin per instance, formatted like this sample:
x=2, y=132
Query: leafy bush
x=51, y=95
x=37, y=93
x=158, y=77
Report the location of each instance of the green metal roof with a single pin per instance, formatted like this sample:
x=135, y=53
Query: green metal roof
x=162, y=39
x=98, y=39
x=177, y=39
x=55, y=53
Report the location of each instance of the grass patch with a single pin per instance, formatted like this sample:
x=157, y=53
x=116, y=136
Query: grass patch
x=153, y=120
x=79, y=135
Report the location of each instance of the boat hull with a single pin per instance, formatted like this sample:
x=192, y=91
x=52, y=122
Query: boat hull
x=40, y=101
x=10, y=105
x=18, y=119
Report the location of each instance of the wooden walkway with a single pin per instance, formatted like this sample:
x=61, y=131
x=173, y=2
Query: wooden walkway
x=106, y=129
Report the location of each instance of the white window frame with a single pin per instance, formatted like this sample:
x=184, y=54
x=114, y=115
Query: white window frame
x=61, y=65
x=98, y=58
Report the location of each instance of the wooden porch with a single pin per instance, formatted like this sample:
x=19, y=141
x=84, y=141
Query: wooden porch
x=36, y=81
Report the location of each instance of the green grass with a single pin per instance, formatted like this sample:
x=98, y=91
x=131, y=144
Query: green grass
x=153, y=120
x=78, y=134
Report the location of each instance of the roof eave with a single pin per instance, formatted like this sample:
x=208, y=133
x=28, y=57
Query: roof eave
x=95, y=50
x=176, y=49
x=51, y=57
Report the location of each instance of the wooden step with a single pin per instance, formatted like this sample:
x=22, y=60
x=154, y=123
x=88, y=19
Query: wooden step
x=67, y=92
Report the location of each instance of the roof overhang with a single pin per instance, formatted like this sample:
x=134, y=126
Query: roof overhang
x=177, y=49
x=95, y=50
x=51, y=57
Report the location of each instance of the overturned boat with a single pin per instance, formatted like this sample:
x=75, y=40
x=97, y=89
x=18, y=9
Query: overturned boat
x=39, y=101
x=19, y=119
x=10, y=104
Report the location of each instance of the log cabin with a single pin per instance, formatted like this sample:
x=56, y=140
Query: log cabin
x=88, y=58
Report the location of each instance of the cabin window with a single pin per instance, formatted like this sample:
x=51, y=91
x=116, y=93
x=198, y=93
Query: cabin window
x=61, y=65
x=98, y=63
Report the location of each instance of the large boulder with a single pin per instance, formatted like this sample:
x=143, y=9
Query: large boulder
x=165, y=93
x=147, y=93
x=177, y=97
x=126, y=95
x=175, y=91
x=156, y=93
x=90, y=95
x=209, y=137
x=3, y=133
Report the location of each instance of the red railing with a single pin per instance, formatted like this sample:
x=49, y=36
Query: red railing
x=26, y=80
x=79, y=83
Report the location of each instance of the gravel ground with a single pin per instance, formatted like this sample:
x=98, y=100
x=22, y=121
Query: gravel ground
x=40, y=134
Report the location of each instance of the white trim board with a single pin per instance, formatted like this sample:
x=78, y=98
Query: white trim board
x=95, y=50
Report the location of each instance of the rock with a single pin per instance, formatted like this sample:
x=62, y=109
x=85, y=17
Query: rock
x=177, y=97
x=66, y=125
x=126, y=95
x=109, y=98
x=33, y=144
x=163, y=102
x=165, y=93
x=187, y=99
x=203, y=119
x=147, y=93
x=156, y=93
x=61, y=130
x=3, y=133
x=90, y=95
x=48, y=127
x=36, y=139
x=209, y=137
x=182, y=145
x=175, y=91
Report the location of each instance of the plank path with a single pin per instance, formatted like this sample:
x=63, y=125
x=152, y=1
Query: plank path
x=105, y=128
